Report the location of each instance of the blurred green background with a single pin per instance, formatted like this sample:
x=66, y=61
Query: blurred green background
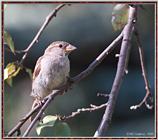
x=88, y=27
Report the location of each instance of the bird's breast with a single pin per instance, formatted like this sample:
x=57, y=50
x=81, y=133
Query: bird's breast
x=56, y=73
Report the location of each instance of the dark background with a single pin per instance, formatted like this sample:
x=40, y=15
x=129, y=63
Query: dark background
x=88, y=27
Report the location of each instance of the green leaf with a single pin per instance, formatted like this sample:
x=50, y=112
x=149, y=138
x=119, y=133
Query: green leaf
x=38, y=129
x=29, y=71
x=48, y=121
x=59, y=129
x=11, y=71
x=16, y=72
x=9, y=41
x=62, y=129
x=9, y=82
x=120, y=16
x=51, y=126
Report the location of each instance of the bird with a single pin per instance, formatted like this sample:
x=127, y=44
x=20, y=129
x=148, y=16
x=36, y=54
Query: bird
x=51, y=70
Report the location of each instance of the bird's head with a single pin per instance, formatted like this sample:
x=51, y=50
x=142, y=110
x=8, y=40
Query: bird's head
x=60, y=46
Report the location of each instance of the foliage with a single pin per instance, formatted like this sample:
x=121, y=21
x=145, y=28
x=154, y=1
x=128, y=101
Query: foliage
x=119, y=16
x=13, y=68
x=50, y=124
x=11, y=71
x=9, y=41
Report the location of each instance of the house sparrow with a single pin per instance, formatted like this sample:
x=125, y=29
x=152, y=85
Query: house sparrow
x=51, y=71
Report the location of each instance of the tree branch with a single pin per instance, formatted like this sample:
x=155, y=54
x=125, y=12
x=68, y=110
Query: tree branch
x=15, y=51
x=147, y=87
x=77, y=78
x=35, y=40
x=90, y=109
x=23, y=120
x=79, y=111
x=98, y=60
x=49, y=99
x=127, y=34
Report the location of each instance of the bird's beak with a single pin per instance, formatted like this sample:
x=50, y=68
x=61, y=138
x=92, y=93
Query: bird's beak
x=70, y=48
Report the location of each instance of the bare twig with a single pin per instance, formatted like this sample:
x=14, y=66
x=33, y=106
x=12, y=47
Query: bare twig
x=50, y=98
x=77, y=78
x=47, y=20
x=127, y=34
x=23, y=120
x=98, y=60
x=35, y=40
x=90, y=109
x=28, y=115
x=147, y=87
x=102, y=94
x=15, y=51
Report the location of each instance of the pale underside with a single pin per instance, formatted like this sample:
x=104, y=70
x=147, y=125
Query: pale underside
x=51, y=74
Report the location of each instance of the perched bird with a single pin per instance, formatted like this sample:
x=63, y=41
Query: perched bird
x=51, y=71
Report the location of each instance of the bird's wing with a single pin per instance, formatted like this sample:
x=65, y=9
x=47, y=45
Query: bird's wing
x=37, y=68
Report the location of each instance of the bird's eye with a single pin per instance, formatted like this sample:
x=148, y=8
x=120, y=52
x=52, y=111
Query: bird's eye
x=60, y=46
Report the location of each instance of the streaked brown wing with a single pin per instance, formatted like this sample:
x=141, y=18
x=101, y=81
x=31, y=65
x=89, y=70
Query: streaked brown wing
x=37, y=68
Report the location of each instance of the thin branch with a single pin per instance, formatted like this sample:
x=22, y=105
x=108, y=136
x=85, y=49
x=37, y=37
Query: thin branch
x=23, y=120
x=90, y=109
x=98, y=60
x=47, y=20
x=50, y=98
x=103, y=95
x=144, y=74
x=15, y=51
x=127, y=34
x=47, y=100
x=36, y=38
x=77, y=78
